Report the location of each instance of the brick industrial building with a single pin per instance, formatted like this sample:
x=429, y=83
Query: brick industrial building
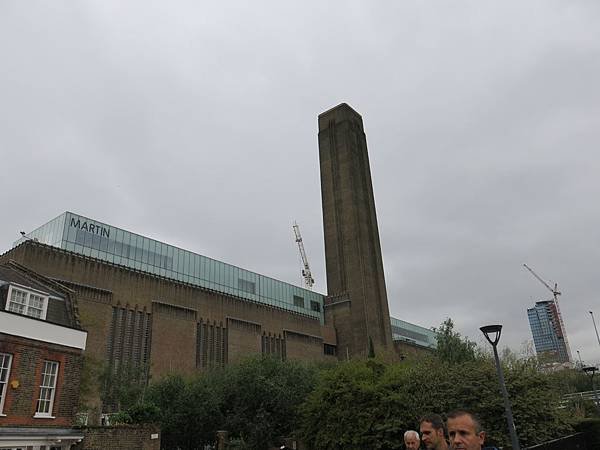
x=149, y=304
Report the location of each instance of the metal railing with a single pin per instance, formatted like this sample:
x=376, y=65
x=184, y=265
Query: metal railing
x=593, y=396
x=573, y=442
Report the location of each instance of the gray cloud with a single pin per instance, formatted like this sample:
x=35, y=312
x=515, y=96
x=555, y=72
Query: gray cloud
x=196, y=124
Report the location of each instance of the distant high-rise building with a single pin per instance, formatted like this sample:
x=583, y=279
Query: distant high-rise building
x=548, y=334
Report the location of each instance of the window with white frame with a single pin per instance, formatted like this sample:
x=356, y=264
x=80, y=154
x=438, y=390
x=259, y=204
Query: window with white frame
x=26, y=302
x=5, y=360
x=47, y=389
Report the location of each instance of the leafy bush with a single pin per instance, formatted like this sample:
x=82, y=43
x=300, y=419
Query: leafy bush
x=256, y=400
x=591, y=427
x=363, y=404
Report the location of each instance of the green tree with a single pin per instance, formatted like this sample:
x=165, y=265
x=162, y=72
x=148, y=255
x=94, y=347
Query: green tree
x=357, y=405
x=123, y=386
x=344, y=409
x=261, y=397
x=256, y=401
x=451, y=346
x=188, y=410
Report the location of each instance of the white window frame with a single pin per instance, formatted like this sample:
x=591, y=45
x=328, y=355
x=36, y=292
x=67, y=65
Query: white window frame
x=47, y=385
x=4, y=382
x=28, y=292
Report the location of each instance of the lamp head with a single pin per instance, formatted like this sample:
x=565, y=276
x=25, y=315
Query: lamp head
x=492, y=333
x=22, y=233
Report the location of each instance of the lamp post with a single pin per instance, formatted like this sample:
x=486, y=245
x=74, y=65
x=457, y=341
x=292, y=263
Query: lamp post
x=597, y=337
x=591, y=371
x=492, y=334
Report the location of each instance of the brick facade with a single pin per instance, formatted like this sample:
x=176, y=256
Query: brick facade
x=27, y=363
x=357, y=301
x=190, y=328
x=406, y=350
x=41, y=334
x=120, y=438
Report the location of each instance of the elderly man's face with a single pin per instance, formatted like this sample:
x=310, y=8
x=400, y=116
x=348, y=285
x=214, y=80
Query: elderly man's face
x=463, y=434
x=412, y=442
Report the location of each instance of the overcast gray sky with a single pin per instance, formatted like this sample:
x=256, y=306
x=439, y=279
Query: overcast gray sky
x=196, y=124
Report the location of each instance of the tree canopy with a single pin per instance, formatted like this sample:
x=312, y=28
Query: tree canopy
x=355, y=404
x=451, y=346
x=256, y=401
x=360, y=405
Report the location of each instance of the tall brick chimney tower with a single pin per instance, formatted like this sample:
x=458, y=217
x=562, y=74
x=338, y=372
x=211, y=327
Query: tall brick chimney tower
x=356, y=303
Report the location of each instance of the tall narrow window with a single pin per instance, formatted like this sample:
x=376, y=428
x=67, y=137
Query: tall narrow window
x=47, y=389
x=5, y=360
x=28, y=303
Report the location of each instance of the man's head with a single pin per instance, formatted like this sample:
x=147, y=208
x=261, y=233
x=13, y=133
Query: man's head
x=432, y=431
x=464, y=430
x=411, y=440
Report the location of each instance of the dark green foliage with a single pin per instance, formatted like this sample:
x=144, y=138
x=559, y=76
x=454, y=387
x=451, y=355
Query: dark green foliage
x=535, y=404
x=122, y=387
x=120, y=418
x=570, y=380
x=189, y=410
x=260, y=398
x=591, y=427
x=144, y=413
x=256, y=401
x=352, y=405
x=356, y=405
x=346, y=404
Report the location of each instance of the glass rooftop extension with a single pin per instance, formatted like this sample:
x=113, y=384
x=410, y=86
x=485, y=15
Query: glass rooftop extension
x=92, y=238
x=411, y=333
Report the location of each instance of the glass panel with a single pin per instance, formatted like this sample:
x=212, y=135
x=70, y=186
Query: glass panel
x=298, y=301
x=18, y=301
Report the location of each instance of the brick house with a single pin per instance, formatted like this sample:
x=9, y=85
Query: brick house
x=41, y=355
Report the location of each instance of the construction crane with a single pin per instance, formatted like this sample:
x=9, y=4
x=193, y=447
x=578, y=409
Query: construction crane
x=555, y=294
x=306, y=274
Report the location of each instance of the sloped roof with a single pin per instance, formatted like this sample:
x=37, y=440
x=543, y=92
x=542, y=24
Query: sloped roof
x=13, y=272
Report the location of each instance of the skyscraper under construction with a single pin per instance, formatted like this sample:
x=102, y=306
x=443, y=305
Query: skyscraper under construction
x=549, y=336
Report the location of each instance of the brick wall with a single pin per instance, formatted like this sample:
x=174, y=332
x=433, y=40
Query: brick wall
x=120, y=438
x=102, y=286
x=406, y=350
x=26, y=373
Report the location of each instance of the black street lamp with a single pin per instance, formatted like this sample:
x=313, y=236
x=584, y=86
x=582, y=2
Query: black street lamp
x=591, y=371
x=492, y=334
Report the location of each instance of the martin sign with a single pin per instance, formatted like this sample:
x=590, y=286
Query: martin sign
x=90, y=227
